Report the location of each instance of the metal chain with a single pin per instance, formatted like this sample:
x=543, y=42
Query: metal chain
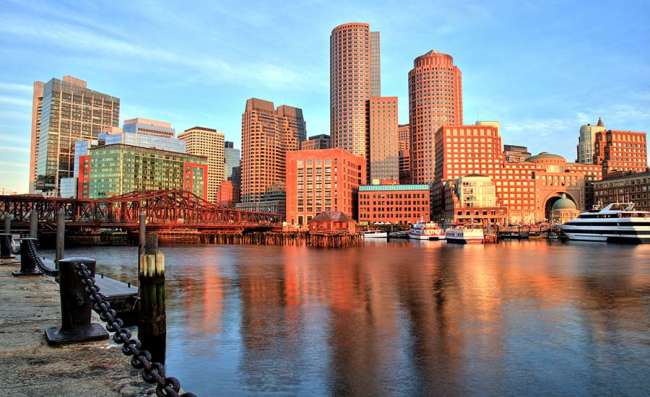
x=152, y=372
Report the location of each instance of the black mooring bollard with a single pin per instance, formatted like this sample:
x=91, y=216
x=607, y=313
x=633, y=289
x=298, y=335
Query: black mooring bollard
x=75, y=307
x=5, y=246
x=27, y=264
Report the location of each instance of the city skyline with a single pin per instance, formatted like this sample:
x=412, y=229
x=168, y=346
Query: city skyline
x=541, y=101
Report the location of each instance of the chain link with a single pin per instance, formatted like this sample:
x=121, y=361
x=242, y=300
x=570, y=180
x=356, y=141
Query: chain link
x=152, y=372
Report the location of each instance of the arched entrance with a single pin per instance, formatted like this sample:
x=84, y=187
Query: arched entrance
x=551, y=199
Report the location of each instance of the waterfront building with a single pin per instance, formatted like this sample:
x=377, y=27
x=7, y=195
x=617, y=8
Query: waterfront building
x=354, y=78
x=231, y=158
x=37, y=100
x=515, y=154
x=383, y=137
x=68, y=111
x=396, y=204
x=144, y=126
x=118, y=169
x=472, y=200
x=526, y=189
x=273, y=200
x=332, y=222
x=267, y=135
x=404, y=143
x=587, y=141
x=209, y=143
x=321, y=141
x=228, y=193
x=322, y=180
x=631, y=187
x=621, y=151
x=435, y=98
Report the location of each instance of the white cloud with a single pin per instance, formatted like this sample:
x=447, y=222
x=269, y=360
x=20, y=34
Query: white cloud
x=23, y=88
x=15, y=101
x=14, y=149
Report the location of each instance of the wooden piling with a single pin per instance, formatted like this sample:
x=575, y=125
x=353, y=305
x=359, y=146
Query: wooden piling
x=60, y=235
x=7, y=224
x=152, y=324
x=33, y=223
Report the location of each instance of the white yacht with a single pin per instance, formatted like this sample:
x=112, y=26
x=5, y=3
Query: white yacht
x=465, y=235
x=372, y=234
x=426, y=231
x=616, y=223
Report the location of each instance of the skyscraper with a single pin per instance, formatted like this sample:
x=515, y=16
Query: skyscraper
x=383, y=136
x=207, y=142
x=37, y=99
x=435, y=98
x=231, y=157
x=587, y=140
x=149, y=127
x=69, y=112
x=354, y=78
x=404, y=153
x=267, y=134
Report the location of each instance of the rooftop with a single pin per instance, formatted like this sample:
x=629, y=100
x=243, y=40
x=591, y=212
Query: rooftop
x=380, y=188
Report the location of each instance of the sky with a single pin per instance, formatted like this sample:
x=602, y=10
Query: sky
x=541, y=68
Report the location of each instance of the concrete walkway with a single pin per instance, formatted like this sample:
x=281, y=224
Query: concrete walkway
x=29, y=367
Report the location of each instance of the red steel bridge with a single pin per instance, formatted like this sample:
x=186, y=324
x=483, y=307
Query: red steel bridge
x=164, y=209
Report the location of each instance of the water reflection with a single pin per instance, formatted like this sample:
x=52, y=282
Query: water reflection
x=407, y=318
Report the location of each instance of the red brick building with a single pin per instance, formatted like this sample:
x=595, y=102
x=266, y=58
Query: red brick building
x=621, y=151
x=527, y=189
x=322, y=180
x=228, y=194
x=435, y=98
x=397, y=204
x=404, y=142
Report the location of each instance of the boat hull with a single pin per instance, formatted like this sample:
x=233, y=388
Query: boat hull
x=464, y=240
x=425, y=237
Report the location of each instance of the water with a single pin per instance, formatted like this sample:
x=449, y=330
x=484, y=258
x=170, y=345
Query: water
x=406, y=318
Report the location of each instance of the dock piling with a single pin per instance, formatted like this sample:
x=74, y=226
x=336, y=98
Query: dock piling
x=152, y=325
x=33, y=223
x=60, y=235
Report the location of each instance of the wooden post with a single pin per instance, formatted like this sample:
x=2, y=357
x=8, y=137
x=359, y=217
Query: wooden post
x=8, y=224
x=33, y=223
x=142, y=235
x=152, y=325
x=60, y=235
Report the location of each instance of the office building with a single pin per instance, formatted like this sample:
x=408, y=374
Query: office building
x=383, y=139
x=515, y=154
x=69, y=111
x=621, y=151
x=228, y=194
x=267, y=135
x=37, y=99
x=632, y=187
x=209, y=143
x=435, y=98
x=168, y=143
x=231, y=157
x=354, y=78
x=144, y=126
x=587, y=141
x=321, y=141
x=322, y=180
x=404, y=142
x=119, y=169
x=395, y=204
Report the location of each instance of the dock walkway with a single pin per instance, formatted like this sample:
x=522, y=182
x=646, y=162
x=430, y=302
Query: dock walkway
x=29, y=367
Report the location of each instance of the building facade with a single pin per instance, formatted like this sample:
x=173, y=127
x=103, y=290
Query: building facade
x=144, y=126
x=322, y=180
x=208, y=143
x=168, y=143
x=354, y=61
x=37, y=99
x=587, y=141
x=624, y=188
x=228, y=194
x=231, y=159
x=515, y=154
x=383, y=139
x=321, y=141
x=526, y=189
x=435, y=98
x=621, y=151
x=69, y=111
x=267, y=135
x=395, y=204
x=119, y=169
x=404, y=142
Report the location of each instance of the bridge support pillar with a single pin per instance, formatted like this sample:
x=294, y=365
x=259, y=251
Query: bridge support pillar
x=75, y=307
x=27, y=264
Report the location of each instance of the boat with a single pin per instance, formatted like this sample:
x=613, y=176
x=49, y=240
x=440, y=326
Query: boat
x=615, y=223
x=372, y=234
x=402, y=234
x=465, y=235
x=426, y=231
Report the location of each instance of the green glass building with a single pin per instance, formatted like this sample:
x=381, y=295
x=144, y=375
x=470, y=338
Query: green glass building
x=119, y=169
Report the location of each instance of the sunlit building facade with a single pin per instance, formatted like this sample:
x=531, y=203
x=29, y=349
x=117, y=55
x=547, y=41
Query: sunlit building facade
x=208, y=143
x=621, y=151
x=151, y=127
x=395, y=204
x=383, y=139
x=37, y=100
x=404, y=142
x=587, y=142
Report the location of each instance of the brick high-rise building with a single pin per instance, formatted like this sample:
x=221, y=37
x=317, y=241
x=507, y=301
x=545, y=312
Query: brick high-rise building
x=37, y=99
x=209, y=143
x=322, y=180
x=354, y=78
x=321, y=141
x=383, y=137
x=621, y=151
x=404, y=142
x=435, y=98
x=267, y=134
x=69, y=111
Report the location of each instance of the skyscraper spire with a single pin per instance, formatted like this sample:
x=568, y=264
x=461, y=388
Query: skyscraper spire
x=600, y=122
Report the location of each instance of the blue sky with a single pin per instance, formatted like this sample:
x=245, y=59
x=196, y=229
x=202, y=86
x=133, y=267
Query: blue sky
x=541, y=68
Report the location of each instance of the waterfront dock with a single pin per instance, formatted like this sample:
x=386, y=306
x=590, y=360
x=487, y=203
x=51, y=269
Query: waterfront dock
x=29, y=367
